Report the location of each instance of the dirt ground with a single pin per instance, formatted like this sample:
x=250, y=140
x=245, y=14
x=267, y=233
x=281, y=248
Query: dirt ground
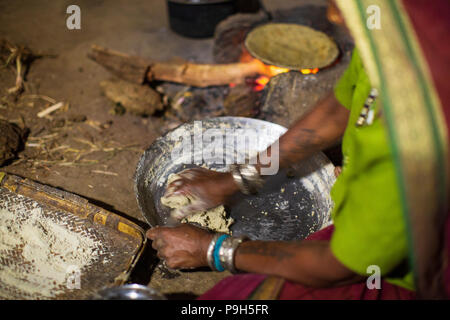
x=84, y=148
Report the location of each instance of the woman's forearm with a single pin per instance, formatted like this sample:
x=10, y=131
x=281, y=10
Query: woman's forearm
x=321, y=128
x=309, y=263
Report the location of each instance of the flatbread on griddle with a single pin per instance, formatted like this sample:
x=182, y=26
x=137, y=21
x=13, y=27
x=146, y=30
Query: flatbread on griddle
x=291, y=46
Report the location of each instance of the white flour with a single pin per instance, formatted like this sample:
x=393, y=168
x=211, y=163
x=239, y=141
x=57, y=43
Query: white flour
x=214, y=219
x=46, y=249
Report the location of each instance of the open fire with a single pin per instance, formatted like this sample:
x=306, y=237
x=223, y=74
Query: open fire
x=268, y=71
x=272, y=71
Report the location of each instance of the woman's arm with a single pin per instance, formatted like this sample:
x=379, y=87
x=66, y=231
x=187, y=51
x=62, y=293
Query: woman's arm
x=321, y=128
x=310, y=263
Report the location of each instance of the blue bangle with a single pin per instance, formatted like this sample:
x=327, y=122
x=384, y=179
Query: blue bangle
x=217, y=263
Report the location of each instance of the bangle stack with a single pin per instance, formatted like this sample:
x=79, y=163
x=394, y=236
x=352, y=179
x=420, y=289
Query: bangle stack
x=210, y=252
x=221, y=252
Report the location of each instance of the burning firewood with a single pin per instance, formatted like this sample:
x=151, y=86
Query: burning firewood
x=138, y=70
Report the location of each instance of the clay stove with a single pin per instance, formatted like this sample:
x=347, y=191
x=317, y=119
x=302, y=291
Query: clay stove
x=278, y=94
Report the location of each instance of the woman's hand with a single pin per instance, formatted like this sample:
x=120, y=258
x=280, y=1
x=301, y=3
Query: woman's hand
x=209, y=189
x=181, y=247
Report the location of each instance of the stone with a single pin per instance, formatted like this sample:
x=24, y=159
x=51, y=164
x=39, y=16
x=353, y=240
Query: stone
x=11, y=141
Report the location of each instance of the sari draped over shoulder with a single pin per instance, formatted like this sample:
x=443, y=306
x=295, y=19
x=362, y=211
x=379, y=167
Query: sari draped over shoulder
x=406, y=58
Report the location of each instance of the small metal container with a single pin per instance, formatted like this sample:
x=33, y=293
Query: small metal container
x=129, y=292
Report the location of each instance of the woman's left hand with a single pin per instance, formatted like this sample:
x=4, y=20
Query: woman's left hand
x=181, y=247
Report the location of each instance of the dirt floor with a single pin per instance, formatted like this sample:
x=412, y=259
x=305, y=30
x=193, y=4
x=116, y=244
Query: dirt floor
x=84, y=148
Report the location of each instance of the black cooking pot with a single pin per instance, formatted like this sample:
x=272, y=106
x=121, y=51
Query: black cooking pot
x=198, y=18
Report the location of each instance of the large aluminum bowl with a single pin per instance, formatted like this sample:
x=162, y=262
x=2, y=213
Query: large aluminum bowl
x=287, y=208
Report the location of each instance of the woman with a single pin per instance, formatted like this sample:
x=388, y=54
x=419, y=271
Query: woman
x=379, y=219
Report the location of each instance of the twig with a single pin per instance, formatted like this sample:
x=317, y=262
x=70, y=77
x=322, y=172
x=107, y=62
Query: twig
x=48, y=136
x=33, y=145
x=50, y=109
x=109, y=173
x=39, y=96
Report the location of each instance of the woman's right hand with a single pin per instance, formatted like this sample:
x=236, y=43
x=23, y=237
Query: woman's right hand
x=208, y=188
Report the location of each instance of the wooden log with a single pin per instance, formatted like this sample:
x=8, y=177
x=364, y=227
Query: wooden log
x=137, y=70
x=204, y=75
x=126, y=67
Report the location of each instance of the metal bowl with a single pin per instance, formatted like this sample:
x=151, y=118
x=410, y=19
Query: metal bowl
x=129, y=292
x=291, y=205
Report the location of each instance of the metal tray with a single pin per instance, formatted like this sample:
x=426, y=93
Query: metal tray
x=115, y=243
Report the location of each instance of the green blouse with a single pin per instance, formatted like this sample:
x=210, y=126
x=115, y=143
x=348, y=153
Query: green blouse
x=368, y=218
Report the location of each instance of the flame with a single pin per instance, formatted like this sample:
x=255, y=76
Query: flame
x=260, y=83
x=273, y=71
x=309, y=71
x=267, y=71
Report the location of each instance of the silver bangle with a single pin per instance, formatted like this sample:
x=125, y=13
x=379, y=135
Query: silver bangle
x=236, y=173
x=228, y=250
x=210, y=251
x=251, y=177
x=247, y=178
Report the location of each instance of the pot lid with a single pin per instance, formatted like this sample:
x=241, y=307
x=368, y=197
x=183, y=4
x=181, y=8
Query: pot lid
x=291, y=46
